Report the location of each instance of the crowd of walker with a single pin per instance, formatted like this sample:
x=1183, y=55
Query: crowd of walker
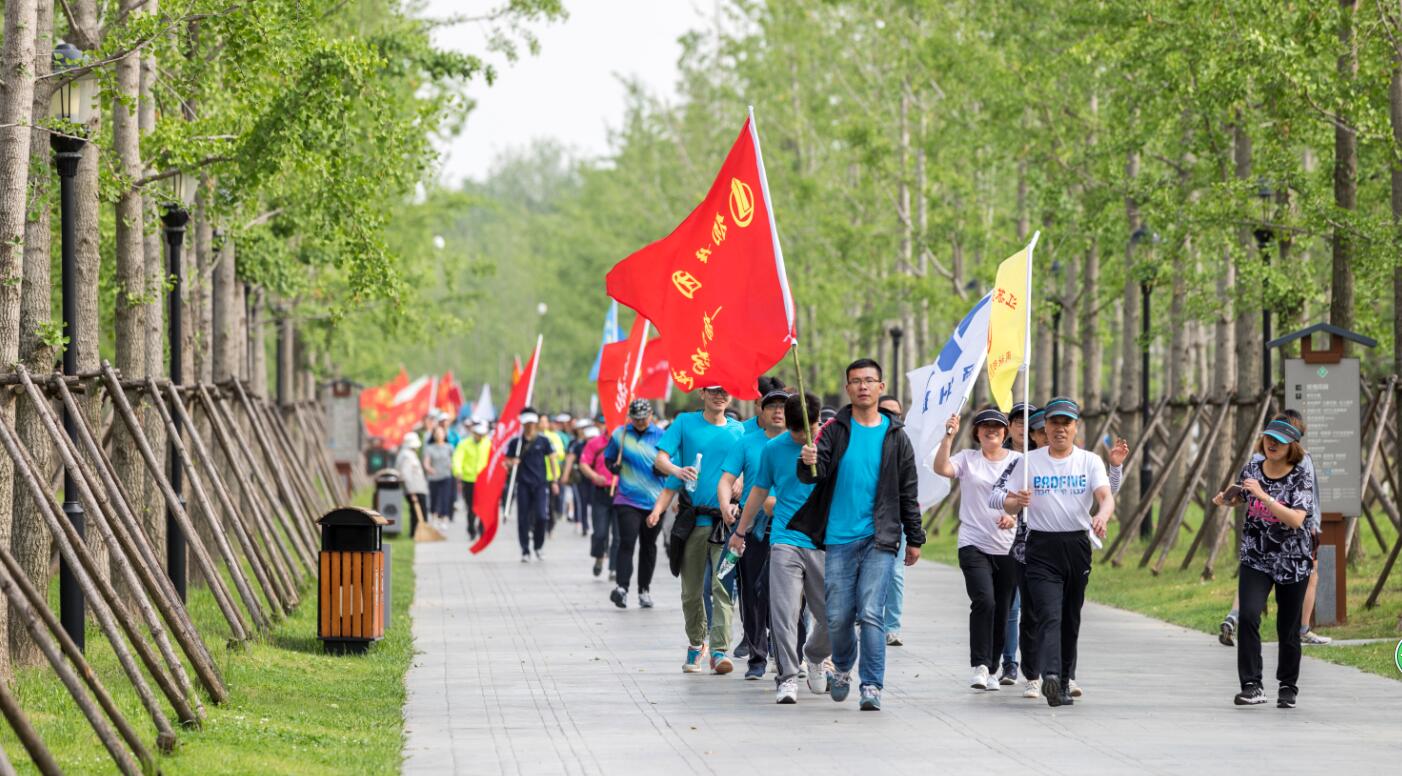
x=807, y=529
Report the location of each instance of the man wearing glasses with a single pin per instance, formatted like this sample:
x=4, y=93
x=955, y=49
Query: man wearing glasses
x=699, y=442
x=864, y=500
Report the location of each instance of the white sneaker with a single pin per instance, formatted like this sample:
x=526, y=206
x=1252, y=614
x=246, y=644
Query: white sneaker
x=787, y=692
x=1034, y=689
x=980, y=680
x=817, y=679
x=1072, y=688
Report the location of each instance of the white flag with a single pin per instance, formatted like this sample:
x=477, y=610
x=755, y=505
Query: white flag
x=482, y=409
x=939, y=390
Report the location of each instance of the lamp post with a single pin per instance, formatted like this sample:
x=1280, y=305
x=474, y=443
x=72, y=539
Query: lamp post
x=896, y=334
x=1264, y=234
x=1056, y=332
x=176, y=214
x=72, y=104
x=1146, y=285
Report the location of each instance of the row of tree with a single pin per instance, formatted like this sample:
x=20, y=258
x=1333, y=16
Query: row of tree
x=308, y=125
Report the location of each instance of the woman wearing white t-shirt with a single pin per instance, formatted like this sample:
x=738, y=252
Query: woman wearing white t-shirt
x=1066, y=483
x=985, y=537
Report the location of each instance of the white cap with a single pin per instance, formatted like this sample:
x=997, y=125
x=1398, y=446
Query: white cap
x=590, y=432
x=480, y=427
x=583, y=423
x=529, y=417
x=563, y=417
x=411, y=441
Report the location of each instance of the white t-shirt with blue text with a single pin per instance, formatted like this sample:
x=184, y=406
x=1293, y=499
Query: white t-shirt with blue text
x=1063, y=489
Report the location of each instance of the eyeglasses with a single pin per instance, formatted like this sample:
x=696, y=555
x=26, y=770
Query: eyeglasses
x=715, y=391
x=859, y=381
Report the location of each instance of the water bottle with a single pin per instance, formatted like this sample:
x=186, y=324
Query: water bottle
x=691, y=485
x=727, y=563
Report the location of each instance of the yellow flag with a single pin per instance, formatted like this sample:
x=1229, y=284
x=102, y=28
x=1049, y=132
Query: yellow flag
x=1007, y=324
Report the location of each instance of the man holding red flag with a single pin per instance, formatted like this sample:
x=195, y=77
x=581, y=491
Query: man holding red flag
x=491, y=482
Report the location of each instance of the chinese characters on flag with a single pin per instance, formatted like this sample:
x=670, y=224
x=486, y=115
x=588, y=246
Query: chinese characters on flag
x=715, y=287
x=1009, y=324
x=620, y=367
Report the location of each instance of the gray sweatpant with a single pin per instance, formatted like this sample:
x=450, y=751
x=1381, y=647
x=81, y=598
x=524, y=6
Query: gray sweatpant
x=796, y=575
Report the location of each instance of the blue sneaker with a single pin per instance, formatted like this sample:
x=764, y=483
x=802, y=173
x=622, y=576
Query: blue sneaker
x=693, y=659
x=840, y=685
x=871, y=698
x=754, y=672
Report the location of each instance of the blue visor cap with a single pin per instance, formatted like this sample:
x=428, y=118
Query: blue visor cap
x=1062, y=408
x=1038, y=421
x=1021, y=410
x=991, y=416
x=1282, y=432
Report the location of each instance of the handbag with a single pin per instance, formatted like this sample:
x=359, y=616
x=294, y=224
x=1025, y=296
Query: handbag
x=681, y=531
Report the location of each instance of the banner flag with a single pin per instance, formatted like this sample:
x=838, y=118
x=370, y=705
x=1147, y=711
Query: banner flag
x=656, y=378
x=486, y=496
x=1010, y=325
x=611, y=334
x=619, y=371
x=483, y=409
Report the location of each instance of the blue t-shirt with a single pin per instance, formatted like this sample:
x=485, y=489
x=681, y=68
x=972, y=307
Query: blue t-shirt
x=849, y=519
x=779, y=475
x=743, y=459
x=689, y=435
x=638, y=484
x=751, y=424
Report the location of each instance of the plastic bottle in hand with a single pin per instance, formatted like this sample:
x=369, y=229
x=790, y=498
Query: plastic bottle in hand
x=727, y=564
x=691, y=485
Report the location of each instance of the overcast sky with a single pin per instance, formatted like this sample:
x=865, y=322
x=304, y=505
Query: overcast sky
x=570, y=91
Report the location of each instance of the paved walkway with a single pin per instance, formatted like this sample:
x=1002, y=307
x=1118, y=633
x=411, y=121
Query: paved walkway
x=528, y=669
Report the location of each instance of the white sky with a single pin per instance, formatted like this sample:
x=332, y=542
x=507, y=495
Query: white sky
x=571, y=91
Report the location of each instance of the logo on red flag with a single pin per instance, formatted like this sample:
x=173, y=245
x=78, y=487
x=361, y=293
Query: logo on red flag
x=715, y=287
x=486, y=496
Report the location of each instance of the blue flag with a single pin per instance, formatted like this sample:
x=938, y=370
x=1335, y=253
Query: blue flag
x=611, y=334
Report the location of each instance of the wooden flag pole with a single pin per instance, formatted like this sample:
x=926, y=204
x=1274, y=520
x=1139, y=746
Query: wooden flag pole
x=803, y=406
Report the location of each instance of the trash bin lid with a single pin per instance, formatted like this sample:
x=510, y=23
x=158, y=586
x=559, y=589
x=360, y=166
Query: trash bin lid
x=352, y=516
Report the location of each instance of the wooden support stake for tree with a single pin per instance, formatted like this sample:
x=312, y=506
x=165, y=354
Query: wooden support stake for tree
x=279, y=564
x=1180, y=504
x=20, y=609
x=1099, y=438
x=1167, y=529
x=122, y=526
x=1379, y=426
x=251, y=551
x=1139, y=445
x=1117, y=548
x=1209, y=531
x=97, y=592
x=278, y=470
x=176, y=508
x=39, y=754
x=323, y=459
x=317, y=421
x=296, y=466
x=281, y=515
x=216, y=529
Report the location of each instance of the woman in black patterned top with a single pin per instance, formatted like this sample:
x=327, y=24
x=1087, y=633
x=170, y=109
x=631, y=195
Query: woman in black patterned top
x=1275, y=552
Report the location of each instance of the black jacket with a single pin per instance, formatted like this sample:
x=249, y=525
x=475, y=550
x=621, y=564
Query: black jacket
x=896, y=508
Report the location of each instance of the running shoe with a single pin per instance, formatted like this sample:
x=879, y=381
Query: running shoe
x=1285, y=697
x=693, y=659
x=1033, y=689
x=742, y=649
x=1073, y=689
x=1009, y=676
x=871, y=698
x=598, y=566
x=787, y=692
x=1250, y=695
x=1227, y=632
x=644, y=599
x=840, y=685
x=817, y=679
x=1051, y=689
x=1309, y=637
x=525, y=557
x=619, y=596
x=754, y=672
x=980, y=679
x=538, y=556
x=893, y=639
x=721, y=664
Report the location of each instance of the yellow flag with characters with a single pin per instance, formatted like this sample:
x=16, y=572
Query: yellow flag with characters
x=1009, y=324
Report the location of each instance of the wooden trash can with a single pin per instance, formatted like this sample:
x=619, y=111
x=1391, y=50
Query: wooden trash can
x=351, y=590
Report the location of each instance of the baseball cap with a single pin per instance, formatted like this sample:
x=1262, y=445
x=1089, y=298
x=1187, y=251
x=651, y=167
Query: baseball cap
x=480, y=427
x=1062, y=407
x=1021, y=408
x=714, y=388
x=991, y=415
x=639, y=409
x=825, y=414
x=529, y=417
x=1282, y=432
x=583, y=423
x=773, y=396
x=590, y=432
x=1037, y=421
x=563, y=417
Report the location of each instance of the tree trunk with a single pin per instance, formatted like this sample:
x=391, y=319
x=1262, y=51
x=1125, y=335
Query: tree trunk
x=1092, y=349
x=1069, y=370
x=1345, y=175
x=154, y=261
x=1394, y=103
x=257, y=348
x=16, y=112
x=226, y=315
x=30, y=538
x=1128, y=402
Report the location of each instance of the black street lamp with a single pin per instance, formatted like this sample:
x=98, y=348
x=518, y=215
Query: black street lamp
x=1056, y=331
x=1264, y=234
x=896, y=334
x=72, y=104
x=1146, y=285
x=176, y=215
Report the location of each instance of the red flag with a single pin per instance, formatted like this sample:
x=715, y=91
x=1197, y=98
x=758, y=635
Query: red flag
x=620, y=366
x=515, y=371
x=391, y=410
x=449, y=398
x=653, y=382
x=715, y=287
x=486, y=496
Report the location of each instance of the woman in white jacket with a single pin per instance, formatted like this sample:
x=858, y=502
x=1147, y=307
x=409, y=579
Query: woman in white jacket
x=411, y=473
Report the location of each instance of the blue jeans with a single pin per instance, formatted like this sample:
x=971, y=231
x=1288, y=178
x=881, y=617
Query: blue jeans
x=856, y=578
x=1010, y=642
x=895, y=596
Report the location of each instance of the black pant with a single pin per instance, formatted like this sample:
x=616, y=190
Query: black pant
x=441, y=494
x=1058, y=568
x=418, y=510
x=584, y=503
x=531, y=515
x=753, y=574
x=1254, y=586
x=473, y=527
x=601, y=511
x=1027, y=629
x=990, y=581
x=633, y=529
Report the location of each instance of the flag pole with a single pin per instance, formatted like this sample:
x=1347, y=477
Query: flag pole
x=1026, y=357
x=803, y=405
x=530, y=392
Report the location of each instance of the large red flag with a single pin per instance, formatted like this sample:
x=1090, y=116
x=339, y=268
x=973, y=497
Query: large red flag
x=486, y=496
x=653, y=382
x=620, y=366
x=715, y=287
